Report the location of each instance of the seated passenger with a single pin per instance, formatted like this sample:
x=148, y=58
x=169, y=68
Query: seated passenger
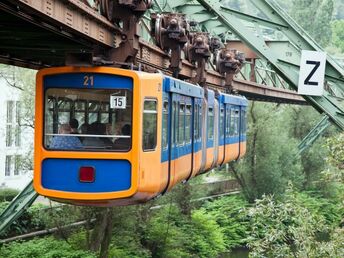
x=123, y=143
x=104, y=129
x=74, y=124
x=63, y=142
x=96, y=129
x=83, y=128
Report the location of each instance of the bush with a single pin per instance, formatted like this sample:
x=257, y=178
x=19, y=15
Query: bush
x=229, y=213
x=169, y=233
x=7, y=194
x=43, y=248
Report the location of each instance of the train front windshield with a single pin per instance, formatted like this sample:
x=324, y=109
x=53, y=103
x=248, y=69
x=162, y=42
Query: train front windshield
x=88, y=119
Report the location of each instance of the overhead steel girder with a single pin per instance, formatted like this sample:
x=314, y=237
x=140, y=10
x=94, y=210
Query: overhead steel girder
x=285, y=64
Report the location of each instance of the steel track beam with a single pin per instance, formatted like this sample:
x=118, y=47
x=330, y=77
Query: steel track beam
x=72, y=16
x=154, y=57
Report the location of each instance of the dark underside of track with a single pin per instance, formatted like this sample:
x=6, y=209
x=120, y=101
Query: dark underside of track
x=33, y=40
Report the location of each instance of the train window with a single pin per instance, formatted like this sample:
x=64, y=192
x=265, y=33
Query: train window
x=188, y=124
x=234, y=124
x=150, y=116
x=174, y=122
x=200, y=123
x=243, y=121
x=64, y=107
x=210, y=123
x=196, y=121
x=51, y=122
x=80, y=111
x=228, y=120
x=86, y=119
x=104, y=112
x=93, y=110
x=165, y=124
x=222, y=121
x=237, y=119
x=181, y=128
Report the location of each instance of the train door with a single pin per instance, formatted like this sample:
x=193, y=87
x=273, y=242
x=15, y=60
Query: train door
x=166, y=142
x=196, y=137
x=221, y=152
x=182, y=148
x=235, y=132
x=242, y=132
x=210, y=130
x=203, y=121
x=216, y=132
x=227, y=133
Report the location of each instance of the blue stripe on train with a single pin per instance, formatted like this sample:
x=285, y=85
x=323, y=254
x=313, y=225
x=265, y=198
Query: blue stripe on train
x=63, y=175
x=76, y=80
x=180, y=151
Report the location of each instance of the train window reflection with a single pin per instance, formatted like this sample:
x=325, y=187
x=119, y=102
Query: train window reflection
x=150, y=116
x=87, y=119
x=210, y=123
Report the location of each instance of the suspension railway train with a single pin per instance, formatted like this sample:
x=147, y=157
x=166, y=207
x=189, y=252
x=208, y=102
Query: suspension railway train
x=107, y=136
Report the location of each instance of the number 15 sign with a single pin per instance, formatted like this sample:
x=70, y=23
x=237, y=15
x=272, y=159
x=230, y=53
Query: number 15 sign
x=312, y=73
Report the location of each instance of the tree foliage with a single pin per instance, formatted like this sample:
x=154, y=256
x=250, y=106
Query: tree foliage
x=270, y=159
x=285, y=228
x=43, y=248
x=315, y=17
x=335, y=172
x=338, y=34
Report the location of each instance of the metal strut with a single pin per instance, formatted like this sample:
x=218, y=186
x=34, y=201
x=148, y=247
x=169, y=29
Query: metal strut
x=17, y=206
x=314, y=134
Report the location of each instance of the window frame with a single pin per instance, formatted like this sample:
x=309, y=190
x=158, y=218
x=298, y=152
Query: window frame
x=181, y=113
x=54, y=109
x=156, y=124
x=210, y=137
x=188, y=114
x=165, y=112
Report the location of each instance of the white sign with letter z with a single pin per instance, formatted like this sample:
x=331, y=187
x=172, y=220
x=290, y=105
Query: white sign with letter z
x=312, y=73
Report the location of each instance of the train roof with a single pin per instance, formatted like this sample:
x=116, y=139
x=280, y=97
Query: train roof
x=233, y=99
x=181, y=87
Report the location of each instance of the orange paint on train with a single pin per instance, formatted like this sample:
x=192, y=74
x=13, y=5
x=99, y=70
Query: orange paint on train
x=220, y=155
x=197, y=162
x=209, y=159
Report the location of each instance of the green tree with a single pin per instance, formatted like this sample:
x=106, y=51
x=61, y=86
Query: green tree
x=315, y=17
x=335, y=158
x=286, y=228
x=302, y=120
x=269, y=162
x=281, y=229
x=230, y=214
x=338, y=34
x=44, y=248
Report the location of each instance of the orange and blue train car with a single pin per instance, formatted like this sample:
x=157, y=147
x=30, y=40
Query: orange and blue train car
x=107, y=136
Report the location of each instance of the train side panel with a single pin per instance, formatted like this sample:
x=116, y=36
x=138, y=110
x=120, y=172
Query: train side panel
x=152, y=177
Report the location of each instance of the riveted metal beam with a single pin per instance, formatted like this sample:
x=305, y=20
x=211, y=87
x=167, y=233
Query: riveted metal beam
x=17, y=206
x=314, y=134
x=282, y=62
